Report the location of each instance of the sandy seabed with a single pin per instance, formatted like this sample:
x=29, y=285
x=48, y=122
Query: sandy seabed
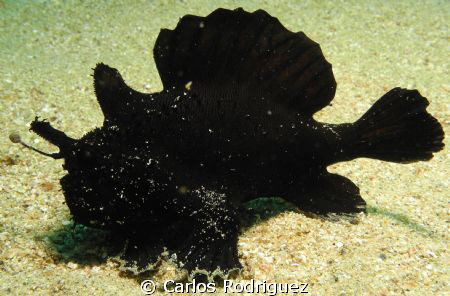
x=399, y=248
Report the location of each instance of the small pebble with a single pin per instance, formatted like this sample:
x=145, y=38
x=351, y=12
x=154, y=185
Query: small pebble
x=432, y=254
x=268, y=259
x=72, y=265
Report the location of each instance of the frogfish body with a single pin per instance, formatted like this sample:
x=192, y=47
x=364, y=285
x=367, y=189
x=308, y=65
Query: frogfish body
x=168, y=171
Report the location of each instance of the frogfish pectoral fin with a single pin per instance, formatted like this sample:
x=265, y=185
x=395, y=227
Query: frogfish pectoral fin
x=329, y=193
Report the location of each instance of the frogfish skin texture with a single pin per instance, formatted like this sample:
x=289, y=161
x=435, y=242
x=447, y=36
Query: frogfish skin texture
x=168, y=171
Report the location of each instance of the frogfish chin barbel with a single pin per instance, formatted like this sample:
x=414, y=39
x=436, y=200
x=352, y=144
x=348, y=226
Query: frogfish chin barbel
x=168, y=171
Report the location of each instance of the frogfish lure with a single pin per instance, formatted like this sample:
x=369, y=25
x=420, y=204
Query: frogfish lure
x=168, y=172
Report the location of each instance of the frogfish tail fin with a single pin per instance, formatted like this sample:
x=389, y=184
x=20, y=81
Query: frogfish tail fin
x=398, y=128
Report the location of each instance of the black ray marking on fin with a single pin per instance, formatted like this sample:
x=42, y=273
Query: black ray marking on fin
x=248, y=54
x=398, y=128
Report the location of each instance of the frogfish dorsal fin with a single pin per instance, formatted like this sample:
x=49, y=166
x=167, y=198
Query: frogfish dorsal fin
x=247, y=54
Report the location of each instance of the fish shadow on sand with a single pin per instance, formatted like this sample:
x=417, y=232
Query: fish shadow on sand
x=264, y=208
x=87, y=246
x=402, y=220
x=78, y=244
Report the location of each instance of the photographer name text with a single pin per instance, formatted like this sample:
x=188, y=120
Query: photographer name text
x=148, y=287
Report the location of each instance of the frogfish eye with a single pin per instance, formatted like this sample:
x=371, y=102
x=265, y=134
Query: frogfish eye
x=85, y=155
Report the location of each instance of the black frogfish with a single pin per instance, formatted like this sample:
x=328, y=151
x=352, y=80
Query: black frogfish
x=169, y=171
